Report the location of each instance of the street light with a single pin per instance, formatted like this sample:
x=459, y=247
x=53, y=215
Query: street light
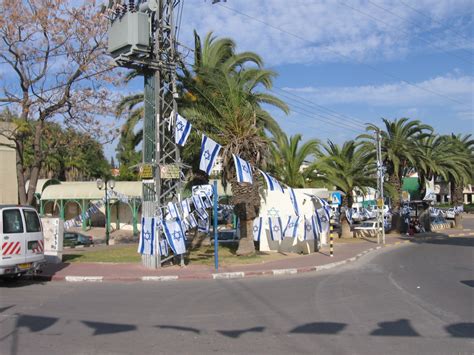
x=100, y=185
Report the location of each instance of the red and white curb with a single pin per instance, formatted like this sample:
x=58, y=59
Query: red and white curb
x=226, y=275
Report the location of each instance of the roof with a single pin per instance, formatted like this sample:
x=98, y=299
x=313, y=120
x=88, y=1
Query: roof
x=41, y=184
x=88, y=190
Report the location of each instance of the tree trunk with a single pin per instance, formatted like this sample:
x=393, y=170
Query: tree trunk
x=345, y=228
x=246, y=244
x=200, y=239
x=394, y=180
x=458, y=221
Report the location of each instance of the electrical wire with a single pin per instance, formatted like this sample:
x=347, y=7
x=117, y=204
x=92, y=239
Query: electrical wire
x=373, y=68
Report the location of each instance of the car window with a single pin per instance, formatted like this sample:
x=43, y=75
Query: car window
x=32, y=221
x=12, y=222
x=69, y=236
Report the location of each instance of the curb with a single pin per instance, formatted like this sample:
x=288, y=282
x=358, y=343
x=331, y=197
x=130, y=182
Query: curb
x=216, y=276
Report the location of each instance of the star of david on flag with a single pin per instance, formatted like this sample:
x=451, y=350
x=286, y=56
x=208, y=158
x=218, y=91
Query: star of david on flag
x=324, y=219
x=326, y=207
x=276, y=228
x=291, y=229
x=271, y=182
x=175, y=236
x=294, y=201
x=257, y=228
x=310, y=228
x=243, y=170
x=146, y=244
x=182, y=130
x=209, y=152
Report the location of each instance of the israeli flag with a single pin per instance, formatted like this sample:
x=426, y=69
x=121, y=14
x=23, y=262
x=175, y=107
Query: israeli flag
x=147, y=236
x=182, y=130
x=294, y=202
x=202, y=214
x=197, y=202
x=243, y=170
x=276, y=228
x=173, y=210
x=349, y=215
x=310, y=229
x=291, y=229
x=203, y=226
x=207, y=201
x=272, y=183
x=209, y=152
x=324, y=219
x=257, y=228
x=326, y=207
x=175, y=236
x=164, y=248
x=191, y=221
x=186, y=207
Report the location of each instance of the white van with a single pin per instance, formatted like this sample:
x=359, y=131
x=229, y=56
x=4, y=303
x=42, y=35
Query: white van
x=22, y=241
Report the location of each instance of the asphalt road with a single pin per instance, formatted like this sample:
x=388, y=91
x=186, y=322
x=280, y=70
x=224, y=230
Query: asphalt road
x=416, y=298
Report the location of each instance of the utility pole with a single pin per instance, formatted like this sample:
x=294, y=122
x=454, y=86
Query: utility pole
x=380, y=178
x=142, y=37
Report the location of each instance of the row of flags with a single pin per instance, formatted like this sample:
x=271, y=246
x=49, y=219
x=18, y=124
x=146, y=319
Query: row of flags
x=314, y=226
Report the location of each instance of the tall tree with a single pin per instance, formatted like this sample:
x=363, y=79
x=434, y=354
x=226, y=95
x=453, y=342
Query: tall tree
x=228, y=109
x=58, y=69
x=289, y=158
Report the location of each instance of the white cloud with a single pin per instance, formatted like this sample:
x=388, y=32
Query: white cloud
x=331, y=31
x=460, y=89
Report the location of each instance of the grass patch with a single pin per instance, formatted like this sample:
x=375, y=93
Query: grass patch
x=202, y=256
x=102, y=254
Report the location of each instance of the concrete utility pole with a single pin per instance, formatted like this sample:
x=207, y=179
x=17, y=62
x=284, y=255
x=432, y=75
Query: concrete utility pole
x=142, y=37
x=380, y=200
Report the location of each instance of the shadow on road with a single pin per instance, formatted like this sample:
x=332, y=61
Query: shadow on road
x=237, y=333
x=180, y=328
x=319, y=328
x=399, y=328
x=101, y=328
x=461, y=330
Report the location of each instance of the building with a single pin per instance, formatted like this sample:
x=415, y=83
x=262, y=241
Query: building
x=8, y=176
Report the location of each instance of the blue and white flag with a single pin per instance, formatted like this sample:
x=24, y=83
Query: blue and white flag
x=326, y=207
x=317, y=221
x=257, y=228
x=175, y=236
x=182, y=130
x=310, y=228
x=203, y=226
x=276, y=228
x=146, y=244
x=186, y=207
x=272, y=183
x=349, y=215
x=243, y=170
x=209, y=152
x=207, y=201
x=294, y=201
x=197, y=202
x=173, y=210
x=291, y=229
x=202, y=214
x=164, y=248
x=191, y=221
x=323, y=219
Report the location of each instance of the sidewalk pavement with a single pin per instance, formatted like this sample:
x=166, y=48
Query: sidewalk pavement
x=343, y=253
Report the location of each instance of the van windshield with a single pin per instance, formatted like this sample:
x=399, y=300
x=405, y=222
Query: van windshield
x=12, y=222
x=33, y=224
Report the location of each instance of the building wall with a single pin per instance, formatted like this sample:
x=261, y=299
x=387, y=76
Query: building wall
x=8, y=179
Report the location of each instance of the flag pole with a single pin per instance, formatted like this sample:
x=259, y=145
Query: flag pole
x=216, y=242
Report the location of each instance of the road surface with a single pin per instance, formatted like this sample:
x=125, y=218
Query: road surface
x=415, y=298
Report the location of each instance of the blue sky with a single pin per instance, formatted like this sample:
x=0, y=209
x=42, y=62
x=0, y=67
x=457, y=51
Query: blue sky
x=343, y=63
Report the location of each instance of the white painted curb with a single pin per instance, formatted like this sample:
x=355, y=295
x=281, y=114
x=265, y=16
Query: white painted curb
x=285, y=272
x=84, y=278
x=159, y=278
x=228, y=275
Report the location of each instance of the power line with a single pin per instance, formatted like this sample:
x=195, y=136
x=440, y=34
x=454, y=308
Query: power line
x=408, y=20
x=406, y=32
x=434, y=20
x=375, y=69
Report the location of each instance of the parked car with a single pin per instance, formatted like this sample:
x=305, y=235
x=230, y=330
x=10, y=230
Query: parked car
x=22, y=241
x=73, y=239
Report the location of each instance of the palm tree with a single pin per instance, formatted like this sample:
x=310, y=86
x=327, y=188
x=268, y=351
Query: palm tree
x=228, y=109
x=348, y=167
x=289, y=157
x=399, y=152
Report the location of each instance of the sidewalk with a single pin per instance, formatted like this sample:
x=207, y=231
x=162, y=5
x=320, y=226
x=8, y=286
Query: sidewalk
x=343, y=253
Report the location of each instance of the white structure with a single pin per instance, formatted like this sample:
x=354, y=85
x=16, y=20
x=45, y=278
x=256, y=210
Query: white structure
x=278, y=204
